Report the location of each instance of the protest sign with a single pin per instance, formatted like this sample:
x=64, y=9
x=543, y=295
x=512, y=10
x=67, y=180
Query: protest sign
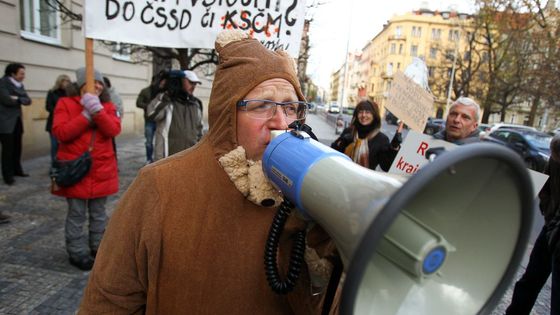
x=409, y=102
x=195, y=23
x=412, y=156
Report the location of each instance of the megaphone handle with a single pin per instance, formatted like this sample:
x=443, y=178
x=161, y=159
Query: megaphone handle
x=271, y=249
x=333, y=284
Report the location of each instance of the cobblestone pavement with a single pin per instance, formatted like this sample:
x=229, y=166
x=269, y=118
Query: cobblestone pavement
x=35, y=275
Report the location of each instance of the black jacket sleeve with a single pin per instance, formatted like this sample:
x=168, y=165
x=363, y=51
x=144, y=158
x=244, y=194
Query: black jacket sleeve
x=381, y=153
x=343, y=141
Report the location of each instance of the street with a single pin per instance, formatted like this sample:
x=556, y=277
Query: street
x=35, y=275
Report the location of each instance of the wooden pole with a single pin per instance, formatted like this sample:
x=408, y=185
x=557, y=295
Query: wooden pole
x=90, y=87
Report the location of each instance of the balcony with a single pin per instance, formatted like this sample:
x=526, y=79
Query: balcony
x=397, y=37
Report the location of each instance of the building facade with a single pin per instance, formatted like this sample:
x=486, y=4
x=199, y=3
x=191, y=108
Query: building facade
x=435, y=37
x=48, y=43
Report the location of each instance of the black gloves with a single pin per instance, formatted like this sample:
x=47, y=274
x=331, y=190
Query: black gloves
x=397, y=140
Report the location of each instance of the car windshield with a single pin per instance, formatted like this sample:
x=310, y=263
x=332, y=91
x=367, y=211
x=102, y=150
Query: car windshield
x=539, y=141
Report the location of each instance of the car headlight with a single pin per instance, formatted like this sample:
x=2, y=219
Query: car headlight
x=544, y=156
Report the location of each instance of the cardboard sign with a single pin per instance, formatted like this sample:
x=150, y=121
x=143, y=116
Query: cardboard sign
x=195, y=23
x=409, y=102
x=412, y=156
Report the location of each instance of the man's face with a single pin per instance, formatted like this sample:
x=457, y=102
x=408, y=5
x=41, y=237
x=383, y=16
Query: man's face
x=460, y=122
x=254, y=134
x=19, y=75
x=188, y=86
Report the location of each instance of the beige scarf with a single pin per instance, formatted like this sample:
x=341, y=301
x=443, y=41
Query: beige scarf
x=358, y=150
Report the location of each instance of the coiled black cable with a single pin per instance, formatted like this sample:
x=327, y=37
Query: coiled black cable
x=271, y=249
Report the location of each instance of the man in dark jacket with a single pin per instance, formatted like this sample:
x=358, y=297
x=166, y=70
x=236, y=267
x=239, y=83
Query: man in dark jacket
x=12, y=96
x=462, y=122
x=146, y=95
x=545, y=257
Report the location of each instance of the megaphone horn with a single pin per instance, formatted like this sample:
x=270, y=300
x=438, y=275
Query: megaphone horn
x=447, y=240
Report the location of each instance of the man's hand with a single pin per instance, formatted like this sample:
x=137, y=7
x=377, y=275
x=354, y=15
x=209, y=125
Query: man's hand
x=91, y=103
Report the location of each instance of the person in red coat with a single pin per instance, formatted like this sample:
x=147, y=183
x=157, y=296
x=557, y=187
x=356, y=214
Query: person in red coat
x=79, y=118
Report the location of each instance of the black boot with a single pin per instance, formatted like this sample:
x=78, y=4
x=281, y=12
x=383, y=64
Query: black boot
x=4, y=218
x=82, y=262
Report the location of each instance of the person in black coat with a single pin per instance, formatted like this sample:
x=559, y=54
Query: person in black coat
x=57, y=91
x=12, y=96
x=364, y=142
x=545, y=256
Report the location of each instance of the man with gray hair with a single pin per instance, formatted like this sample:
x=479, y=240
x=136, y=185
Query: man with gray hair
x=462, y=122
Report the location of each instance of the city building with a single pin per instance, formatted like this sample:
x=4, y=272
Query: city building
x=435, y=37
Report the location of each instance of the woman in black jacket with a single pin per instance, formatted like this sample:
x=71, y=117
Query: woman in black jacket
x=57, y=91
x=364, y=142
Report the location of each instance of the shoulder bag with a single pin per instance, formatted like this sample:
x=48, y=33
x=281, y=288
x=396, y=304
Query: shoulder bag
x=68, y=173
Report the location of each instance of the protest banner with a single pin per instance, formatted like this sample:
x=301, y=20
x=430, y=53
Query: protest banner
x=195, y=23
x=409, y=102
x=412, y=156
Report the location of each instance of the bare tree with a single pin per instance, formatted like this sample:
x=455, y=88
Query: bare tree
x=188, y=58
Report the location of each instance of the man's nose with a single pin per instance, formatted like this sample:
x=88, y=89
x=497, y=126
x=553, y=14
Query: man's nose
x=278, y=121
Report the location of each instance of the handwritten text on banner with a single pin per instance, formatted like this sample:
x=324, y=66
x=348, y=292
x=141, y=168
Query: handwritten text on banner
x=195, y=23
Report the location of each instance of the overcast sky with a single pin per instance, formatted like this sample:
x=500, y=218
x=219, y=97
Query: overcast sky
x=331, y=28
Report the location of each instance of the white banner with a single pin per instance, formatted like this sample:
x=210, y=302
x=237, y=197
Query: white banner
x=277, y=24
x=412, y=156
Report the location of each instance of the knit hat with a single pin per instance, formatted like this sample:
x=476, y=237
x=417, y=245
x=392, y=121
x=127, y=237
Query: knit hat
x=244, y=63
x=81, y=76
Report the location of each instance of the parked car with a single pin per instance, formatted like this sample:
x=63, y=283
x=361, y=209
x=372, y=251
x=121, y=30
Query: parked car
x=391, y=119
x=532, y=146
x=312, y=108
x=434, y=125
x=334, y=108
x=497, y=126
x=484, y=129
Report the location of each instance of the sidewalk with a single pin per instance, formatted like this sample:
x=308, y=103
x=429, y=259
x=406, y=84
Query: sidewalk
x=35, y=275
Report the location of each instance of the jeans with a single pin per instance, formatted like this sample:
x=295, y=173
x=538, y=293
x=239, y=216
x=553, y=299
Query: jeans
x=149, y=131
x=76, y=242
x=54, y=146
x=541, y=265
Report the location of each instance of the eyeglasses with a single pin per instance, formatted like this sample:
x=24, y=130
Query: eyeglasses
x=266, y=109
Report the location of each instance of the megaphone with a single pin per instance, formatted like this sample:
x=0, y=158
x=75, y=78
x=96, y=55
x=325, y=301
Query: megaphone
x=447, y=240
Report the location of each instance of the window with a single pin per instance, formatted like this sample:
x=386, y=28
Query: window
x=398, y=31
x=453, y=35
x=398, y=65
x=121, y=51
x=390, y=69
x=433, y=52
x=393, y=48
x=39, y=21
x=431, y=71
x=414, y=50
x=436, y=33
x=416, y=31
x=449, y=54
x=485, y=56
x=400, y=49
